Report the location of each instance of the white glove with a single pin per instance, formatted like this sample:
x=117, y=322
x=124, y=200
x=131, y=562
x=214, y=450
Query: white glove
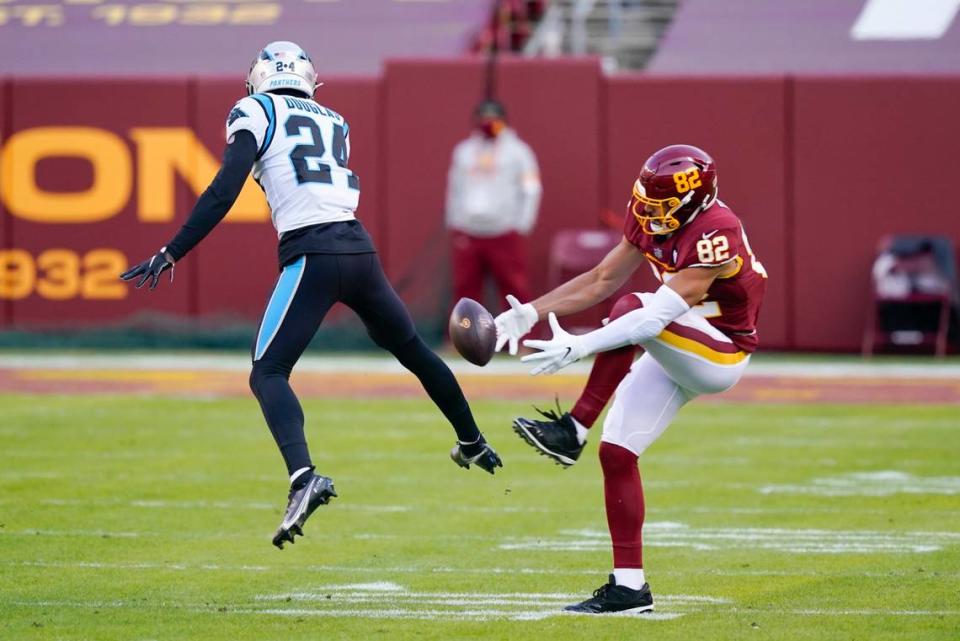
x=558, y=352
x=514, y=324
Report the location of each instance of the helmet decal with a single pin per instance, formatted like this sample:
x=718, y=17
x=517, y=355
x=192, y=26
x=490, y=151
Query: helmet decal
x=675, y=184
x=282, y=65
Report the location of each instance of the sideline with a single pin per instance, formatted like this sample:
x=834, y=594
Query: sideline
x=833, y=367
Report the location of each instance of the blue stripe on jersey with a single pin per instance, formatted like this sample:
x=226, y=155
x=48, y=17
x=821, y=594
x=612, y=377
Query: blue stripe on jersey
x=279, y=303
x=266, y=103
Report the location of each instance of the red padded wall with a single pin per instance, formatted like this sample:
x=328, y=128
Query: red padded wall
x=740, y=122
x=873, y=156
x=426, y=111
x=555, y=108
x=116, y=106
x=818, y=168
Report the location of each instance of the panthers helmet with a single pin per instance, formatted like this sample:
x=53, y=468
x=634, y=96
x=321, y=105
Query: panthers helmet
x=282, y=65
x=676, y=183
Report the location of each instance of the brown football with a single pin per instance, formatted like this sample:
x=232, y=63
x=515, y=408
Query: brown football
x=472, y=331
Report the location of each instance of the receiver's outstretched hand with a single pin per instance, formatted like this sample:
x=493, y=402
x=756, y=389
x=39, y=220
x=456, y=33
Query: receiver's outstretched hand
x=555, y=354
x=514, y=324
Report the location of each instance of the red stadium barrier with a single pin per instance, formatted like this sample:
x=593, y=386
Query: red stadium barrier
x=818, y=168
x=873, y=156
x=554, y=106
x=426, y=111
x=556, y=109
x=76, y=203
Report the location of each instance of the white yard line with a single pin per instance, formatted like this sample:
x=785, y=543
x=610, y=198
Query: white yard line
x=656, y=534
x=199, y=477
x=500, y=366
x=452, y=609
x=482, y=571
x=879, y=483
x=470, y=598
x=94, y=605
x=865, y=612
x=98, y=565
x=403, y=603
x=77, y=533
x=786, y=540
x=452, y=615
x=157, y=504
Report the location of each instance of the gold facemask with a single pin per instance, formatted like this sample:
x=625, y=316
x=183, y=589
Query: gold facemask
x=655, y=215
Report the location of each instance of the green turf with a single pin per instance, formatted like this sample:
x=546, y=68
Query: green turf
x=149, y=518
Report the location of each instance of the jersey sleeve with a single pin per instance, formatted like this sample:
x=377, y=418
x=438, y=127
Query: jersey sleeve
x=710, y=246
x=255, y=114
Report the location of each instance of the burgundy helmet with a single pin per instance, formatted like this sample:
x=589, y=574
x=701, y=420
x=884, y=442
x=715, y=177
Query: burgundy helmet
x=675, y=184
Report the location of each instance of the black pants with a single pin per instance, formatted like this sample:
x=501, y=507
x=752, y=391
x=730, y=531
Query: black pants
x=305, y=291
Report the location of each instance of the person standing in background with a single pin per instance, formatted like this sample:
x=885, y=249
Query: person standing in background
x=493, y=194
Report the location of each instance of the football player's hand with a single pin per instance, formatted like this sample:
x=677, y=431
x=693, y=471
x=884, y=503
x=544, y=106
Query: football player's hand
x=555, y=354
x=151, y=269
x=514, y=324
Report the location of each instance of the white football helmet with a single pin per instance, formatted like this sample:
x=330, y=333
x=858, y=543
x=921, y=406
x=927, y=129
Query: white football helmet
x=282, y=65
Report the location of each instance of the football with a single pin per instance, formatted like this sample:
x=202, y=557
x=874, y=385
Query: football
x=472, y=331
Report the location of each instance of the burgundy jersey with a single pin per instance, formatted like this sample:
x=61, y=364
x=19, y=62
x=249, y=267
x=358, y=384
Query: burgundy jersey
x=715, y=237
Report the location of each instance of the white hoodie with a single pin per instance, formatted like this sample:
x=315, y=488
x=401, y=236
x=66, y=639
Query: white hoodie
x=493, y=186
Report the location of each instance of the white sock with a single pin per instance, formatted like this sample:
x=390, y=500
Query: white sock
x=296, y=475
x=581, y=431
x=629, y=577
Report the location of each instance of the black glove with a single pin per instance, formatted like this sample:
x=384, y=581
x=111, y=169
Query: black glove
x=151, y=269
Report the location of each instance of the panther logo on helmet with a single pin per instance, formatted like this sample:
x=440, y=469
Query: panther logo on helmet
x=676, y=183
x=282, y=65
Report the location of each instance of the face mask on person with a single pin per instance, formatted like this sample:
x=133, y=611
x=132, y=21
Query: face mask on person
x=491, y=127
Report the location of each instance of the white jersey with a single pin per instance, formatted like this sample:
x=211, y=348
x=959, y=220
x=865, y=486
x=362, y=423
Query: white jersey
x=303, y=151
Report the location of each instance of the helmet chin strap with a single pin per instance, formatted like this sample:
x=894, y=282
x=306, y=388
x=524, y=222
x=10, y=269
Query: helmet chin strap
x=703, y=207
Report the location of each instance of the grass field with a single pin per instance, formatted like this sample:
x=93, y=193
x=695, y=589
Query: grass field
x=132, y=518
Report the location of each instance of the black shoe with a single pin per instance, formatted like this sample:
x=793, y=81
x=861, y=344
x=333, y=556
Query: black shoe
x=303, y=501
x=487, y=459
x=556, y=438
x=615, y=598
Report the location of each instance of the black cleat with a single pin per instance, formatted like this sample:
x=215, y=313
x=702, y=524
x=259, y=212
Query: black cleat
x=556, y=438
x=487, y=459
x=318, y=491
x=615, y=598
